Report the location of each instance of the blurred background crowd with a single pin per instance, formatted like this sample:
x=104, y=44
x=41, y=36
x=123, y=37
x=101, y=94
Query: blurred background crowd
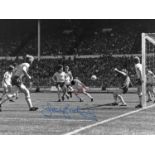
x=113, y=41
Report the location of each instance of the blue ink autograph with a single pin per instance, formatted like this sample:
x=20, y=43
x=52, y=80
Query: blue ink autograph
x=67, y=111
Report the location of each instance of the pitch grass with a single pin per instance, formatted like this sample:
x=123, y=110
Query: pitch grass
x=15, y=119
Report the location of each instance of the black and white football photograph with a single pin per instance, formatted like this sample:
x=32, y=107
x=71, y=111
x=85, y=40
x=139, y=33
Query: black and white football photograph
x=77, y=77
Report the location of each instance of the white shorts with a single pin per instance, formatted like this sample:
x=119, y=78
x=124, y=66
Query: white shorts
x=6, y=85
x=67, y=83
x=80, y=89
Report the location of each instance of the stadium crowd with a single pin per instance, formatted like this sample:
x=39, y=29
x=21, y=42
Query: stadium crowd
x=83, y=68
x=73, y=39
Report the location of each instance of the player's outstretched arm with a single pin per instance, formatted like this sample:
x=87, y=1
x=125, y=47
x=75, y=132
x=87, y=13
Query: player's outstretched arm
x=120, y=72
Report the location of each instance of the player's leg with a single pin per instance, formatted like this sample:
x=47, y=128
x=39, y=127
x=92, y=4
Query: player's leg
x=14, y=90
x=115, y=96
x=64, y=92
x=69, y=90
x=139, y=92
x=27, y=97
x=7, y=97
x=17, y=94
x=10, y=93
x=5, y=90
x=77, y=95
x=118, y=97
x=148, y=91
x=152, y=92
x=3, y=100
x=3, y=94
x=84, y=91
x=59, y=92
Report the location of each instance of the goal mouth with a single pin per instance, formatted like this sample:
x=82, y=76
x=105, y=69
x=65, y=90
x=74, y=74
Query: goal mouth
x=150, y=38
x=148, y=61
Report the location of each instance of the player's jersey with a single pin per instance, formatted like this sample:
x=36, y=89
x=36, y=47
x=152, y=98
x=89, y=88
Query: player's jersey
x=60, y=77
x=7, y=78
x=78, y=84
x=150, y=77
x=69, y=77
x=126, y=81
x=19, y=70
x=138, y=68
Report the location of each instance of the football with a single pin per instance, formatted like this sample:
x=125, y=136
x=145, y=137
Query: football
x=93, y=77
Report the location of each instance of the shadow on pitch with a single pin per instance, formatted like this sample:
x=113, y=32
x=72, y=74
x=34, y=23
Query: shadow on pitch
x=105, y=106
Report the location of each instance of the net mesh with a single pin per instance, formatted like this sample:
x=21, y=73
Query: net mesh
x=150, y=52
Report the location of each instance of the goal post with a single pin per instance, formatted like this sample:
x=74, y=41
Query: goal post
x=143, y=69
x=148, y=59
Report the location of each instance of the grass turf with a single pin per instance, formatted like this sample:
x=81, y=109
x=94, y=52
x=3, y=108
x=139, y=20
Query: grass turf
x=15, y=119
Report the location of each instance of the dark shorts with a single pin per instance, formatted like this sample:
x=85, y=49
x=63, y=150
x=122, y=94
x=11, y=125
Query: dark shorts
x=138, y=82
x=16, y=81
x=60, y=84
x=68, y=85
x=125, y=90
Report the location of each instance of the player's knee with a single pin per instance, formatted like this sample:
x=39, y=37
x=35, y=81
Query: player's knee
x=27, y=96
x=119, y=96
x=27, y=93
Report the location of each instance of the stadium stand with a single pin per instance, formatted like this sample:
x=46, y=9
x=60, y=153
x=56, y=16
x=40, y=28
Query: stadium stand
x=76, y=37
x=102, y=67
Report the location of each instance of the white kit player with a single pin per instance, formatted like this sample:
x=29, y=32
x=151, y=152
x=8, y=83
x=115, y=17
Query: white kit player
x=78, y=88
x=149, y=85
x=18, y=74
x=59, y=79
x=6, y=82
x=69, y=78
x=138, y=68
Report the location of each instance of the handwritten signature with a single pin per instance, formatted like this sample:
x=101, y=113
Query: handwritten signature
x=67, y=112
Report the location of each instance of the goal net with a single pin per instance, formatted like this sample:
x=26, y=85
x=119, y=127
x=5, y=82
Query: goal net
x=148, y=60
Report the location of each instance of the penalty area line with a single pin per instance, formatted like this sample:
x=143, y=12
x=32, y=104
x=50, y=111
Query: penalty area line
x=107, y=120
